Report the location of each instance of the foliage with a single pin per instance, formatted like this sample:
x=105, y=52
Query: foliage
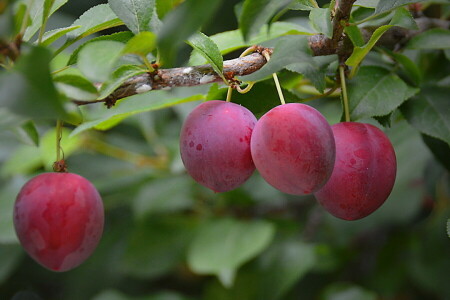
x=166, y=237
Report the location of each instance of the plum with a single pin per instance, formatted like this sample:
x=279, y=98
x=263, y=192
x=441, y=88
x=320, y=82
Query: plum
x=364, y=172
x=293, y=148
x=58, y=218
x=215, y=144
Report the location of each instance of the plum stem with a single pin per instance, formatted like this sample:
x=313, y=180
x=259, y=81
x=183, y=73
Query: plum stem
x=275, y=79
x=229, y=93
x=344, y=93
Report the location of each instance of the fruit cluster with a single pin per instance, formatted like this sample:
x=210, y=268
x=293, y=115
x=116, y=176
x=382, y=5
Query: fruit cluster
x=350, y=167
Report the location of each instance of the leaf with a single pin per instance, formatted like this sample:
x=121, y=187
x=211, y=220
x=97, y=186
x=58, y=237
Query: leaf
x=403, y=18
x=337, y=291
x=288, y=50
x=132, y=105
x=118, y=77
x=97, y=60
x=367, y=3
x=8, y=194
x=136, y=14
x=209, y=50
x=303, y=5
x=141, y=44
x=16, y=165
x=376, y=92
x=256, y=13
x=229, y=41
x=388, y=5
x=37, y=15
x=29, y=128
x=321, y=21
x=179, y=25
x=355, y=35
x=76, y=87
x=436, y=38
x=429, y=112
x=95, y=19
x=28, y=89
x=412, y=70
x=51, y=36
x=448, y=228
x=123, y=37
x=439, y=148
x=223, y=245
x=10, y=256
x=47, y=147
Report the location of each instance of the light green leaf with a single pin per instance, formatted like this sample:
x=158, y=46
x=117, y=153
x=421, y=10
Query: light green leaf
x=29, y=128
x=229, y=41
x=289, y=50
x=47, y=146
x=123, y=37
x=429, y=112
x=355, y=35
x=209, y=50
x=16, y=165
x=256, y=13
x=37, y=15
x=367, y=3
x=97, y=60
x=388, y=5
x=179, y=25
x=76, y=87
x=141, y=44
x=376, y=92
x=95, y=19
x=436, y=38
x=133, y=105
x=403, y=18
x=118, y=77
x=52, y=35
x=321, y=21
x=223, y=245
x=303, y=5
x=136, y=14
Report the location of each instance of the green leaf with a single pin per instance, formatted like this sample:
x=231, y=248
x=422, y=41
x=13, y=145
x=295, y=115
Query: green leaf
x=288, y=50
x=376, y=92
x=360, y=52
x=367, y=3
x=47, y=146
x=132, y=105
x=229, y=41
x=17, y=165
x=118, y=77
x=10, y=256
x=95, y=19
x=37, y=15
x=412, y=70
x=439, y=148
x=346, y=291
x=52, y=35
x=403, y=18
x=157, y=246
x=8, y=194
x=97, y=60
x=76, y=87
x=256, y=13
x=123, y=37
x=29, y=128
x=19, y=18
x=136, y=14
x=436, y=38
x=355, y=35
x=321, y=21
x=429, y=112
x=448, y=228
x=303, y=5
x=388, y=5
x=28, y=89
x=179, y=25
x=141, y=44
x=223, y=245
x=209, y=50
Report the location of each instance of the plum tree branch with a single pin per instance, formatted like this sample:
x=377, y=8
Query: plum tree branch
x=319, y=44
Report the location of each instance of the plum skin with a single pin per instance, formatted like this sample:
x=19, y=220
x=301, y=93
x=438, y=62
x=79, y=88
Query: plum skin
x=58, y=218
x=364, y=172
x=215, y=145
x=293, y=148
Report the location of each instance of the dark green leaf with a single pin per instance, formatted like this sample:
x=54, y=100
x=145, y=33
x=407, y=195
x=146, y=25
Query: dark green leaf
x=165, y=6
x=376, y=92
x=122, y=37
x=412, y=70
x=288, y=50
x=52, y=35
x=37, y=15
x=448, y=228
x=97, y=60
x=436, y=38
x=338, y=291
x=141, y=44
x=321, y=21
x=118, y=77
x=403, y=18
x=388, y=5
x=179, y=25
x=429, y=112
x=28, y=90
x=10, y=256
x=76, y=87
x=256, y=13
x=136, y=14
x=208, y=254
x=209, y=50
x=355, y=35
x=439, y=149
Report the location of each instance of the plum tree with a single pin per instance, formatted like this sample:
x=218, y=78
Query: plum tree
x=215, y=144
x=293, y=148
x=364, y=172
x=58, y=219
